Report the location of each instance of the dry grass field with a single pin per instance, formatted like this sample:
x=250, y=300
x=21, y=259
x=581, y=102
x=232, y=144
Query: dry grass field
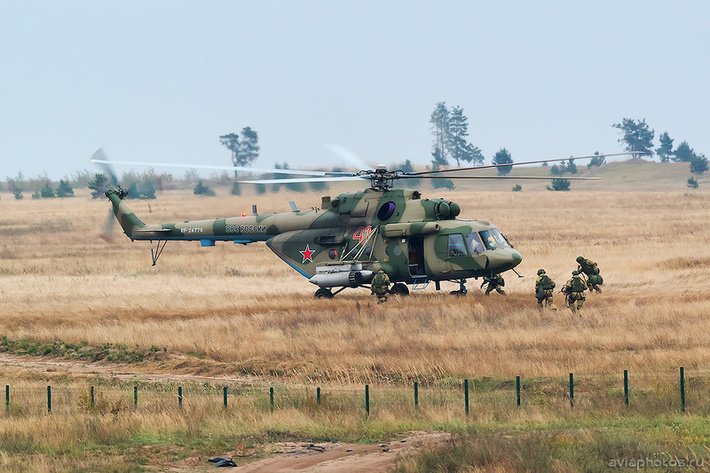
x=239, y=312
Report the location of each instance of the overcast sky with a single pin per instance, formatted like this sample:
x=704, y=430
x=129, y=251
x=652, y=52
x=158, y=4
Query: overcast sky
x=162, y=80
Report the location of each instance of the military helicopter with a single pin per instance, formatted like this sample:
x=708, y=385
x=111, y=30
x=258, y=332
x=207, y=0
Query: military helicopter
x=342, y=243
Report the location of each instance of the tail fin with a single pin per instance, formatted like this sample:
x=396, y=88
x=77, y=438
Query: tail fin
x=125, y=216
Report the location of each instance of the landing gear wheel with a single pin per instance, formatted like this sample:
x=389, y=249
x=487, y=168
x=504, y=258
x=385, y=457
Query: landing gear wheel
x=323, y=293
x=400, y=289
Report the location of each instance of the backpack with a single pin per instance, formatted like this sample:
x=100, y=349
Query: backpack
x=578, y=285
x=546, y=283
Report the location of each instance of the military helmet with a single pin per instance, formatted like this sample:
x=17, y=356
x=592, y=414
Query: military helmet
x=540, y=272
x=575, y=273
x=580, y=259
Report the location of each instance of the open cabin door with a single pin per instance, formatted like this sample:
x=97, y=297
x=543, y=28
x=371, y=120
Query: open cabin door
x=415, y=249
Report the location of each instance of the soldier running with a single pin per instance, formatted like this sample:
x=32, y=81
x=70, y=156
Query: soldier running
x=574, y=291
x=543, y=290
x=591, y=271
x=380, y=286
x=494, y=283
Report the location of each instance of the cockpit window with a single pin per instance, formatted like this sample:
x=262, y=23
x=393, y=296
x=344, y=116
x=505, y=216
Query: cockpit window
x=488, y=239
x=456, y=246
x=499, y=236
x=474, y=243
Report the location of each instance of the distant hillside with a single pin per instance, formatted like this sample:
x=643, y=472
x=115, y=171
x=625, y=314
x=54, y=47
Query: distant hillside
x=631, y=175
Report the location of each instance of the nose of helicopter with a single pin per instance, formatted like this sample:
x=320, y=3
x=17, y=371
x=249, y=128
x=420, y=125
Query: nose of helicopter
x=504, y=259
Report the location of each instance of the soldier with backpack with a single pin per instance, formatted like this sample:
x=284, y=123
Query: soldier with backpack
x=591, y=271
x=380, y=286
x=495, y=283
x=543, y=290
x=574, y=291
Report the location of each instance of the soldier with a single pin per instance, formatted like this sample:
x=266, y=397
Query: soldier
x=543, y=290
x=380, y=286
x=495, y=282
x=591, y=270
x=574, y=290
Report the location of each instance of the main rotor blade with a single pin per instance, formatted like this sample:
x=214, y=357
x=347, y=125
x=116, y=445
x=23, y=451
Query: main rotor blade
x=305, y=179
x=491, y=166
x=228, y=168
x=541, y=178
x=348, y=155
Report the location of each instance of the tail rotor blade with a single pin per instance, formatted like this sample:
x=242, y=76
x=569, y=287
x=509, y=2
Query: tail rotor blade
x=99, y=158
x=107, y=233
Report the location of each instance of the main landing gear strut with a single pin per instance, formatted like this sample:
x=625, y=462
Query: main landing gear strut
x=462, y=289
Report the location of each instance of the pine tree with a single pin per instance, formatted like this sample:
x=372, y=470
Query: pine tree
x=636, y=136
x=440, y=129
x=683, y=153
x=665, y=150
x=503, y=157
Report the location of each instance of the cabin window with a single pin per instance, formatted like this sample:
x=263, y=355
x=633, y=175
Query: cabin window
x=500, y=238
x=488, y=239
x=457, y=246
x=474, y=243
x=386, y=211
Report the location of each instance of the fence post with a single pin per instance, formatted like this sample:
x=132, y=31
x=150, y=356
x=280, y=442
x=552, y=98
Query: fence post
x=465, y=394
x=49, y=398
x=571, y=390
x=416, y=395
x=135, y=397
x=318, y=396
x=224, y=396
x=367, y=399
x=92, y=397
x=626, y=387
x=271, y=398
x=180, y=396
x=7, y=397
x=517, y=389
x=682, y=390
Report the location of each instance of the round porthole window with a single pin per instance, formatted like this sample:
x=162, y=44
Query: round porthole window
x=386, y=211
x=333, y=253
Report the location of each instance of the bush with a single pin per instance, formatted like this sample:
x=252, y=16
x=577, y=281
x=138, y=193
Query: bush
x=64, y=189
x=692, y=182
x=47, y=192
x=559, y=185
x=201, y=189
x=517, y=188
x=236, y=189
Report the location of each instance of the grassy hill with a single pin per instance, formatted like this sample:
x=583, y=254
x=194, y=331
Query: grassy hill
x=630, y=175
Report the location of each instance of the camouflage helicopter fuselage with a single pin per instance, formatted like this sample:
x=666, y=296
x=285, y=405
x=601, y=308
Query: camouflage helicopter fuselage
x=345, y=241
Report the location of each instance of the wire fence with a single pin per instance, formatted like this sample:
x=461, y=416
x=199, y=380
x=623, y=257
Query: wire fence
x=658, y=394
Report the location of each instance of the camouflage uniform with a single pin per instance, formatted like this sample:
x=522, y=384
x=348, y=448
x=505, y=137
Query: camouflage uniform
x=380, y=286
x=574, y=289
x=543, y=290
x=494, y=283
x=591, y=270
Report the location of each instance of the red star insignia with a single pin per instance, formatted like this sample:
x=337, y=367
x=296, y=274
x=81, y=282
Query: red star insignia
x=307, y=254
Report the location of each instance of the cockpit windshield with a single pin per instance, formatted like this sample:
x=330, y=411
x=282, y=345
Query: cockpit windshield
x=488, y=239
x=474, y=243
x=499, y=236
